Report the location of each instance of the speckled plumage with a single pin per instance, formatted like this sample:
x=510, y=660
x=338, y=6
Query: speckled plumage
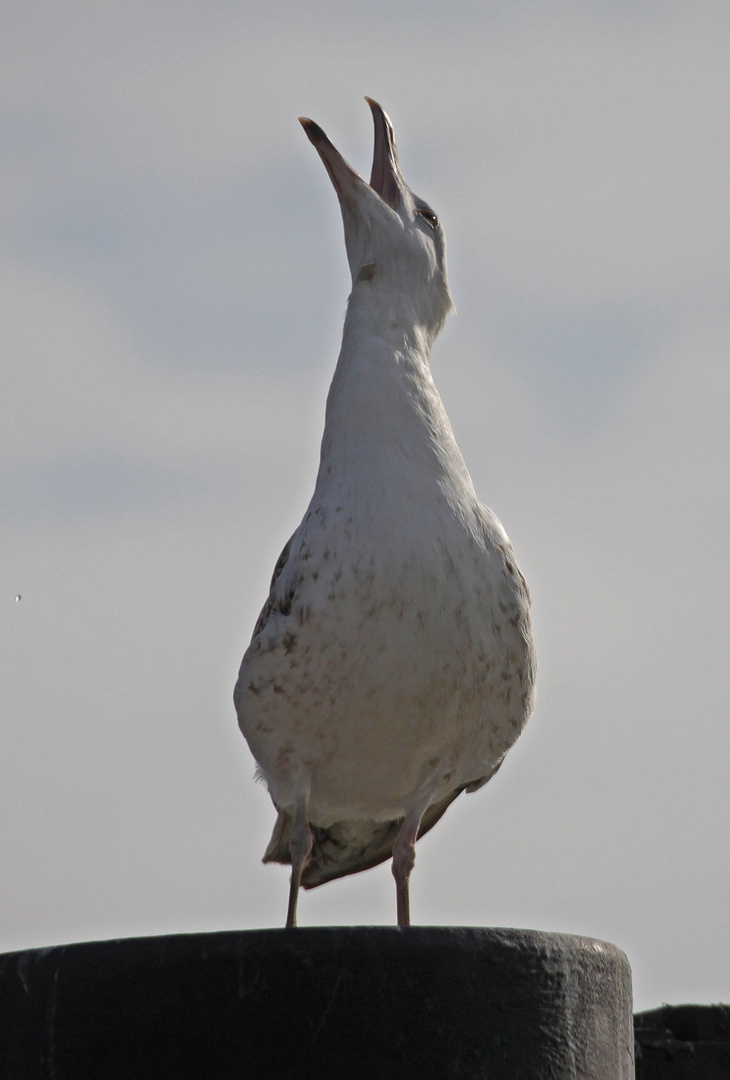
x=392, y=665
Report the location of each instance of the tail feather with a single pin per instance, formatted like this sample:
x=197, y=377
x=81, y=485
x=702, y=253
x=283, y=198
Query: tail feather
x=347, y=847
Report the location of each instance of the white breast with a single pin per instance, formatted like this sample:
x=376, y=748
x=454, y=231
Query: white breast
x=395, y=656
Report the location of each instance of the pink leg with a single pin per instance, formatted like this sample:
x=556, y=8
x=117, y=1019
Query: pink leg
x=404, y=858
x=300, y=845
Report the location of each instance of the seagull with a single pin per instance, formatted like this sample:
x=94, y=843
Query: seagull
x=392, y=666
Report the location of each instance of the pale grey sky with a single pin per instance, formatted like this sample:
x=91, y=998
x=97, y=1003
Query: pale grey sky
x=172, y=284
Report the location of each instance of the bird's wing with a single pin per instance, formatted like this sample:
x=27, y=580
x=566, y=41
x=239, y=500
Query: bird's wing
x=276, y=600
x=351, y=846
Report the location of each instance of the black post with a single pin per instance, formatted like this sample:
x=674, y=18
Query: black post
x=334, y=1003
x=683, y=1042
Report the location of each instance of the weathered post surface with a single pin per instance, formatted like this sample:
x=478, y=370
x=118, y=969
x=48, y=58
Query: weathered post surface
x=683, y=1042
x=340, y=1003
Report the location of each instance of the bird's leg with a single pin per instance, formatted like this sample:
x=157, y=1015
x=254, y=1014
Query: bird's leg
x=404, y=858
x=300, y=845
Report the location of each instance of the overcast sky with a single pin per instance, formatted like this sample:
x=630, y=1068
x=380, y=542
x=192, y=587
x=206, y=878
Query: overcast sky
x=172, y=286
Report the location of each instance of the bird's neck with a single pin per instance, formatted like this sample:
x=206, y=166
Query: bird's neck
x=405, y=321
x=383, y=409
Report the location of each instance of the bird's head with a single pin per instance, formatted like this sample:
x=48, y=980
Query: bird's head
x=395, y=243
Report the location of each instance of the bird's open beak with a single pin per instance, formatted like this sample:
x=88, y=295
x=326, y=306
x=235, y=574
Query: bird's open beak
x=342, y=175
x=385, y=179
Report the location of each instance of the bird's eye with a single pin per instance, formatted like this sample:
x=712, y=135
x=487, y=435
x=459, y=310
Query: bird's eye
x=429, y=216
